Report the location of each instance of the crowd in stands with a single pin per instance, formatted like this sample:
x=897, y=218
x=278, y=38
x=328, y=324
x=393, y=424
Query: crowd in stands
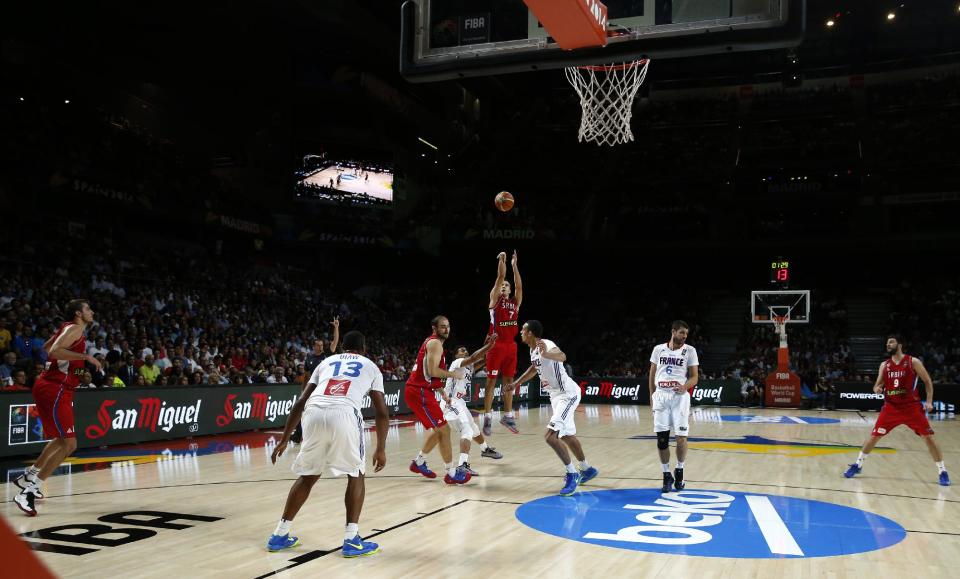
x=928, y=317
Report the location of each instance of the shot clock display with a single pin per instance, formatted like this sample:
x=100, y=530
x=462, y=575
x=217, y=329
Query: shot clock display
x=780, y=272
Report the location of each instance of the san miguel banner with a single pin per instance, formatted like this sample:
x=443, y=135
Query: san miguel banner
x=613, y=391
x=105, y=417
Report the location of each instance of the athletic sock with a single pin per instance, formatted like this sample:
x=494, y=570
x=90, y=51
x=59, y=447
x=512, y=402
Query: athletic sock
x=464, y=457
x=420, y=459
x=484, y=446
x=32, y=471
x=680, y=464
x=570, y=468
x=350, y=531
x=451, y=470
x=941, y=467
x=860, y=459
x=584, y=465
x=508, y=414
x=665, y=466
x=283, y=527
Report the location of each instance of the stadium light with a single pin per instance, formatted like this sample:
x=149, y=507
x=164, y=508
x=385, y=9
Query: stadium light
x=891, y=16
x=66, y=101
x=21, y=99
x=830, y=23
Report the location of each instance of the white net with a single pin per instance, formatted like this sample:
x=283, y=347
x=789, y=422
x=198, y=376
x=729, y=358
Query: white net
x=606, y=95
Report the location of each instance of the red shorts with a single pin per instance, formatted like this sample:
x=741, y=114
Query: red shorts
x=55, y=407
x=423, y=403
x=502, y=360
x=892, y=416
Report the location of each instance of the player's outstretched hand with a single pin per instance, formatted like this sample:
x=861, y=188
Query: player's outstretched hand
x=379, y=460
x=277, y=451
x=490, y=339
x=94, y=362
x=502, y=256
x=513, y=260
x=336, y=322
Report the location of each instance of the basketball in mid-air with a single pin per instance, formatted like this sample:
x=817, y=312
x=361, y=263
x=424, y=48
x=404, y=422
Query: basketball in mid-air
x=504, y=201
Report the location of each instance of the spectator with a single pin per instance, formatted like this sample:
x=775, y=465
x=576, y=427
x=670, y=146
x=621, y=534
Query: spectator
x=86, y=381
x=196, y=379
x=111, y=380
x=7, y=368
x=18, y=382
x=149, y=370
x=277, y=377
x=139, y=381
x=128, y=373
x=183, y=380
x=748, y=391
x=23, y=343
x=5, y=336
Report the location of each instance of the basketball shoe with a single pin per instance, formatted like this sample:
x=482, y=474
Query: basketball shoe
x=510, y=424
x=422, y=469
x=461, y=477
x=588, y=475
x=944, y=479
x=667, y=483
x=26, y=481
x=24, y=500
x=357, y=547
x=491, y=453
x=466, y=467
x=570, y=484
x=853, y=471
x=678, y=479
x=280, y=542
x=487, y=424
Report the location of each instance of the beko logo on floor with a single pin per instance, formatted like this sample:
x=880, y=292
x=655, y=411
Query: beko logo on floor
x=861, y=396
x=707, y=523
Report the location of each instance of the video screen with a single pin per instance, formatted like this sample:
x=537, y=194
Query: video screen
x=345, y=181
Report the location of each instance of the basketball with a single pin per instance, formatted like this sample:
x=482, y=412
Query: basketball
x=504, y=201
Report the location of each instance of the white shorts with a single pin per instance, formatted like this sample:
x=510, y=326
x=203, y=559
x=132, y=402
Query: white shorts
x=333, y=439
x=458, y=415
x=671, y=411
x=564, y=407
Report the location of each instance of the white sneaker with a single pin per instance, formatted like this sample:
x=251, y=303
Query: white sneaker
x=24, y=500
x=25, y=482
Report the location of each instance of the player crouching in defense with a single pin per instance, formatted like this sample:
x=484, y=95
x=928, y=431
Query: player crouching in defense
x=547, y=360
x=901, y=405
x=333, y=438
x=455, y=409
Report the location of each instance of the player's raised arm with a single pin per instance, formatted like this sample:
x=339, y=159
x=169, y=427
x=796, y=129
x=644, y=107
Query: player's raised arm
x=517, y=282
x=336, y=334
x=481, y=353
x=501, y=275
x=921, y=371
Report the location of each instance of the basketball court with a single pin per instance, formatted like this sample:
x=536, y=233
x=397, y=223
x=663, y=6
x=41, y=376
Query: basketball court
x=372, y=183
x=508, y=520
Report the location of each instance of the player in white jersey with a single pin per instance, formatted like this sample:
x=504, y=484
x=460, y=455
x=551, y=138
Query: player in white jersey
x=454, y=405
x=546, y=359
x=333, y=439
x=674, y=371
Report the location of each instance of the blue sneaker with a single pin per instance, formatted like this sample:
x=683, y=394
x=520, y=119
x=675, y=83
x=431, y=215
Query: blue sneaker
x=422, y=469
x=357, y=547
x=281, y=542
x=460, y=477
x=944, y=479
x=852, y=471
x=588, y=475
x=570, y=486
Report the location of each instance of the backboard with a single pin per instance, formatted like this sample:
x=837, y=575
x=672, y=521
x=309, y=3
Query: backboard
x=765, y=304
x=445, y=39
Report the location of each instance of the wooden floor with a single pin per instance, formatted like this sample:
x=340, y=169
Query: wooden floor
x=428, y=529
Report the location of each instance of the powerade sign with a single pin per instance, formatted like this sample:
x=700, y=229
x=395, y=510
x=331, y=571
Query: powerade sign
x=860, y=396
x=706, y=523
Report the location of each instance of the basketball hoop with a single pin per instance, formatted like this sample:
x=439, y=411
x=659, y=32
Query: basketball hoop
x=606, y=95
x=780, y=324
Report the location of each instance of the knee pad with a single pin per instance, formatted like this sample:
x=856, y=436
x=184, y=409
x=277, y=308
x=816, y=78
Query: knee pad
x=663, y=439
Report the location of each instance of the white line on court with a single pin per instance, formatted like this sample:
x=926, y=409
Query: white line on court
x=775, y=532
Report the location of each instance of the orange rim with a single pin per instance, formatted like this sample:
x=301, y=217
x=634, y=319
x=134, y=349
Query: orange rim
x=609, y=67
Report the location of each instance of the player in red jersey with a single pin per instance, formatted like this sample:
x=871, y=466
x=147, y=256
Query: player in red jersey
x=901, y=405
x=53, y=393
x=502, y=358
x=425, y=381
